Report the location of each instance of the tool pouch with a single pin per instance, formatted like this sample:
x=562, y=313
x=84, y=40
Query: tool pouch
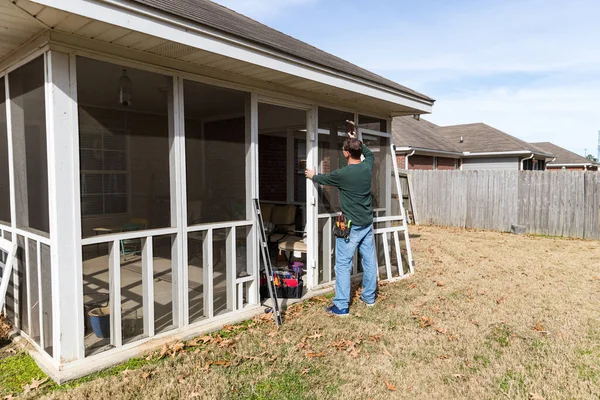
x=341, y=228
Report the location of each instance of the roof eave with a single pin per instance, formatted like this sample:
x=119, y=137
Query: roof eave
x=177, y=29
x=425, y=151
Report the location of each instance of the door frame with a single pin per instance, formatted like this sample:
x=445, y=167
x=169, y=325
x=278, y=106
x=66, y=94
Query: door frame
x=311, y=111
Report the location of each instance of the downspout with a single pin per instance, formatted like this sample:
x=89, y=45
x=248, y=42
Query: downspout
x=406, y=159
x=524, y=159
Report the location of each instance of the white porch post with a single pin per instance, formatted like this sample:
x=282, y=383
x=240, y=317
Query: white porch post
x=178, y=203
x=65, y=216
x=312, y=223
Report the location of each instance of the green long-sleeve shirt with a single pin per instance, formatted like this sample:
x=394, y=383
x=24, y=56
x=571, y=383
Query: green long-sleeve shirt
x=354, y=184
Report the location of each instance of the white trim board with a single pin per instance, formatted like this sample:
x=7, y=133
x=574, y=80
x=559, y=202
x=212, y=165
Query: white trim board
x=156, y=23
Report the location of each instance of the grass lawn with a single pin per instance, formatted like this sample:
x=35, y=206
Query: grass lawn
x=486, y=315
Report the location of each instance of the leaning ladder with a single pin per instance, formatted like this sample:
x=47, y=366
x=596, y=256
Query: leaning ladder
x=268, y=267
x=404, y=228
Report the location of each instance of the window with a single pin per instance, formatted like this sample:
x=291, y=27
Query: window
x=104, y=172
x=534, y=165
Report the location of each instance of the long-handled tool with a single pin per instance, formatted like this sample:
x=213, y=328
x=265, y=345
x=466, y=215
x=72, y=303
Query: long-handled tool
x=268, y=267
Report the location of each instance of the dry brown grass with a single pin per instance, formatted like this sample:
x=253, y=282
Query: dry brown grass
x=487, y=315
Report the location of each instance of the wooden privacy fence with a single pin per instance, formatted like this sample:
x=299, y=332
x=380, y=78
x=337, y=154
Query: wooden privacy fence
x=554, y=203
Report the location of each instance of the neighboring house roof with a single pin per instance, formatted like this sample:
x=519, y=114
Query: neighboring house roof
x=563, y=156
x=482, y=138
x=217, y=17
x=420, y=134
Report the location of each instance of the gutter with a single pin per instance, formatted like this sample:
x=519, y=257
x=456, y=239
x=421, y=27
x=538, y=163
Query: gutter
x=525, y=159
x=430, y=151
x=571, y=165
x=497, y=153
x=406, y=159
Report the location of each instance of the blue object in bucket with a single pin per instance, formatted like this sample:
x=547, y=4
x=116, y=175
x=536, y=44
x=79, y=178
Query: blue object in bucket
x=100, y=321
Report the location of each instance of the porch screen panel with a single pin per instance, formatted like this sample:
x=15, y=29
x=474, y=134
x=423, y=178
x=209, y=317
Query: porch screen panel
x=28, y=113
x=124, y=148
x=375, y=124
x=381, y=150
x=216, y=147
x=4, y=178
x=332, y=133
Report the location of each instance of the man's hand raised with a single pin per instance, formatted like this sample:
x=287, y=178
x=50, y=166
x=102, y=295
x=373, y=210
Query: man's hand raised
x=351, y=129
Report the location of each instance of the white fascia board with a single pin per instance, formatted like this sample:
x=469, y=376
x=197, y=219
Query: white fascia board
x=420, y=150
x=570, y=165
x=496, y=153
x=155, y=23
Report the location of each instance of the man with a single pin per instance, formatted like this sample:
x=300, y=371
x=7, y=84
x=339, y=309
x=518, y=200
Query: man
x=354, y=184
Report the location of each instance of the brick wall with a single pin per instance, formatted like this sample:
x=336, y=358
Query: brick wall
x=420, y=162
x=400, y=159
x=445, y=164
x=272, y=156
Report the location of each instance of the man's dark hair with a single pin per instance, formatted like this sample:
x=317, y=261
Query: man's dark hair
x=354, y=147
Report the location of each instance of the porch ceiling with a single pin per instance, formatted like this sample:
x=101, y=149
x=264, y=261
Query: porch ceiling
x=24, y=19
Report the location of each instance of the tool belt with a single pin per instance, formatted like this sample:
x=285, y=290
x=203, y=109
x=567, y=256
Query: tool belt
x=341, y=228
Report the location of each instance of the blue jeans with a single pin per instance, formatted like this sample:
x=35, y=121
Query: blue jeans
x=361, y=237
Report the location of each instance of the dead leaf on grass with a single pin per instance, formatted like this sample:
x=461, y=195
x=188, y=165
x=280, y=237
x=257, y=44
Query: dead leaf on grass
x=424, y=322
x=500, y=300
x=34, y=385
x=305, y=371
x=440, y=283
x=163, y=351
x=376, y=338
x=205, y=368
x=412, y=286
x=441, y=331
x=443, y=357
x=181, y=378
x=535, y=396
x=316, y=335
x=222, y=363
x=310, y=354
x=390, y=387
x=538, y=327
x=452, y=338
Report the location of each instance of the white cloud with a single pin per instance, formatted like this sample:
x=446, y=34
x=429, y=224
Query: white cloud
x=262, y=10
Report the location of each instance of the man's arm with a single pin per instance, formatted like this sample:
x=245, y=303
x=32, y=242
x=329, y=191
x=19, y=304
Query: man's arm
x=369, y=157
x=332, y=179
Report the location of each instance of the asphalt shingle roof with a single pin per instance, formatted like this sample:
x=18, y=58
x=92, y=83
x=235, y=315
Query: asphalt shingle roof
x=563, y=156
x=215, y=16
x=410, y=132
x=482, y=138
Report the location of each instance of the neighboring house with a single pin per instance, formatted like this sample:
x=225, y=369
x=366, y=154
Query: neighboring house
x=484, y=147
x=134, y=136
x=420, y=146
x=565, y=159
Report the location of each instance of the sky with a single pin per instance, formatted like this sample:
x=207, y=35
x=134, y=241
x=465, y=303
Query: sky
x=530, y=68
